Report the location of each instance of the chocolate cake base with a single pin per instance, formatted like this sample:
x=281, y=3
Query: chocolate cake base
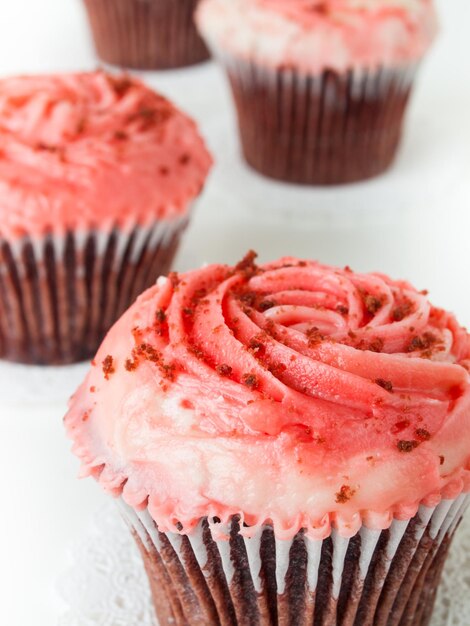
x=57, y=301
x=319, y=130
x=377, y=578
x=146, y=34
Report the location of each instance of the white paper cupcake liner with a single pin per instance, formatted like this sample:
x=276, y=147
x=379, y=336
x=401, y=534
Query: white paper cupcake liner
x=376, y=578
x=59, y=295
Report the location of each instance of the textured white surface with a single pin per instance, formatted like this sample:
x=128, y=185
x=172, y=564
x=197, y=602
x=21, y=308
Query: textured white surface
x=106, y=585
x=413, y=222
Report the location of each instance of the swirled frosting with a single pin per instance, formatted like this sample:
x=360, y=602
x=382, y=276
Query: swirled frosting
x=295, y=393
x=313, y=35
x=92, y=150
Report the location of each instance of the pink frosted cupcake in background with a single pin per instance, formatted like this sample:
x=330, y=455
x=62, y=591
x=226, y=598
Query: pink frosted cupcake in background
x=321, y=87
x=97, y=177
x=146, y=34
x=289, y=443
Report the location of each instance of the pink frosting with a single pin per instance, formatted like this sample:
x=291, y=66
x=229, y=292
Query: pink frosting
x=92, y=150
x=312, y=35
x=294, y=393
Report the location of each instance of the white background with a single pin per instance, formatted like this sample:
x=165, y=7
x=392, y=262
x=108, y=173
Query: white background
x=413, y=223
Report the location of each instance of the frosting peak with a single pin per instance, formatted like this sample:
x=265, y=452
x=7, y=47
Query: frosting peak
x=292, y=392
x=92, y=150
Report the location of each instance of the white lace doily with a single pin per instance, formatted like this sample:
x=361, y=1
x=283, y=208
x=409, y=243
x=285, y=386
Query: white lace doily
x=107, y=586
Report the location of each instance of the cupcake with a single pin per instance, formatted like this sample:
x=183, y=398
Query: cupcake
x=320, y=87
x=97, y=177
x=146, y=34
x=288, y=443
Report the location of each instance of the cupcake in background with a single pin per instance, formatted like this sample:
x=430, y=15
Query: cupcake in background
x=146, y=34
x=321, y=87
x=289, y=443
x=97, y=177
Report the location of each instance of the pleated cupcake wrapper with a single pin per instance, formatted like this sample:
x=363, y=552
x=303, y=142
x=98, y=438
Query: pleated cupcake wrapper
x=146, y=34
x=376, y=578
x=59, y=295
x=328, y=128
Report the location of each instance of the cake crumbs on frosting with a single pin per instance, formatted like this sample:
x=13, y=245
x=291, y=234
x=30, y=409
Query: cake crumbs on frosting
x=250, y=380
x=407, y=446
x=422, y=434
x=108, y=366
x=423, y=342
x=247, y=266
x=265, y=305
x=372, y=303
x=223, y=369
x=314, y=336
x=402, y=310
x=385, y=384
x=344, y=494
x=174, y=278
x=279, y=400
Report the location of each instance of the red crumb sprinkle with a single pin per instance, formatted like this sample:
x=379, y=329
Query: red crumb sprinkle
x=223, y=369
x=120, y=135
x=185, y=158
x=401, y=311
x=93, y=389
x=85, y=416
x=314, y=336
x=108, y=366
x=247, y=264
x=277, y=369
x=369, y=458
x=164, y=171
x=187, y=404
x=264, y=305
x=376, y=345
x=344, y=494
x=423, y=434
x=442, y=459
x=250, y=380
x=342, y=309
x=256, y=347
x=373, y=304
x=147, y=351
x=198, y=353
x=407, y=446
x=174, y=279
x=131, y=364
x=423, y=342
x=386, y=384
x=248, y=298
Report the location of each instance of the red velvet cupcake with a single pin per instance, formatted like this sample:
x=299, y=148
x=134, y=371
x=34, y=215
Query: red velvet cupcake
x=321, y=87
x=289, y=443
x=97, y=177
x=146, y=34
